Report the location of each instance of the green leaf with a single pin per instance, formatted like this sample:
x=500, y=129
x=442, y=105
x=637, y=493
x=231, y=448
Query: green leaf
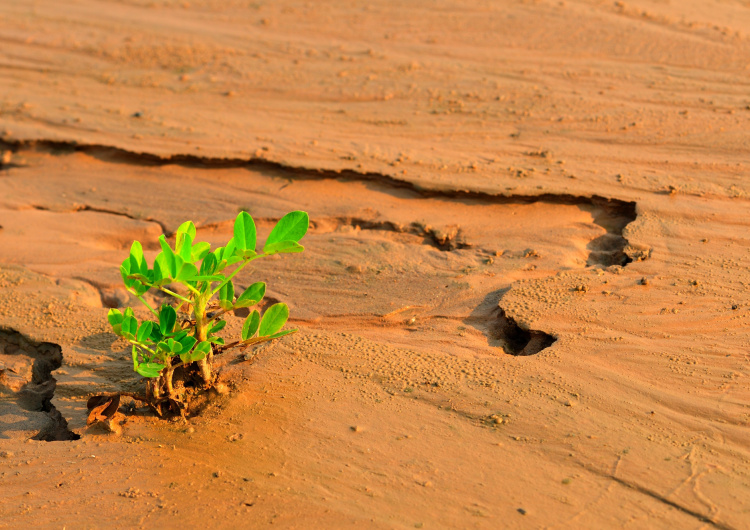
x=165, y=267
x=174, y=346
x=184, y=247
x=274, y=319
x=149, y=369
x=185, y=271
x=129, y=327
x=244, y=232
x=144, y=331
x=200, y=352
x=187, y=343
x=214, y=278
x=155, y=333
x=115, y=317
x=252, y=295
x=283, y=247
x=128, y=267
x=200, y=251
x=217, y=327
x=216, y=340
x=292, y=227
x=164, y=245
x=167, y=319
x=186, y=229
x=250, y=327
x=282, y=333
x=226, y=296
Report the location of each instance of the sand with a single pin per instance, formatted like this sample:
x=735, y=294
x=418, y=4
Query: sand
x=522, y=301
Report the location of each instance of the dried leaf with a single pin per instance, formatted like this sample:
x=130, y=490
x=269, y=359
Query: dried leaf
x=102, y=408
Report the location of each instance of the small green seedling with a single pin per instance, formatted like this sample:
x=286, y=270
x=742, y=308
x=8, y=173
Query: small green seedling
x=175, y=350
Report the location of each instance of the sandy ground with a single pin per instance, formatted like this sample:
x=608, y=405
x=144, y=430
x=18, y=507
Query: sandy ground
x=523, y=297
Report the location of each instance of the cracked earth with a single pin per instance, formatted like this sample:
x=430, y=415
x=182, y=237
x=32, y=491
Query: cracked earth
x=522, y=301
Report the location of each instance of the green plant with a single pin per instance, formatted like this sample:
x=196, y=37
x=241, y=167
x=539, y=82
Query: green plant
x=175, y=351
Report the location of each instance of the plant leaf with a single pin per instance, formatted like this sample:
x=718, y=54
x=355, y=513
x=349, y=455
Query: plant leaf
x=252, y=295
x=283, y=247
x=200, y=352
x=226, y=296
x=149, y=369
x=138, y=262
x=282, y=333
x=144, y=331
x=115, y=317
x=184, y=247
x=208, y=267
x=187, y=343
x=292, y=227
x=250, y=327
x=185, y=229
x=167, y=319
x=200, y=251
x=185, y=271
x=274, y=319
x=129, y=327
x=217, y=327
x=213, y=278
x=244, y=232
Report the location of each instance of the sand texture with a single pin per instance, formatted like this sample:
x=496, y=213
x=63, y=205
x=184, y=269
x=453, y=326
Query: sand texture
x=523, y=301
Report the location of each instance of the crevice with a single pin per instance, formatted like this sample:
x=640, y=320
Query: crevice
x=611, y=214
x=87, y=208
x=447, y=239
x=34, y=389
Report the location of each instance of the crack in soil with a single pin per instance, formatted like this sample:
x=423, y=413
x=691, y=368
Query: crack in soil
x=614, y=214
x=611, y=214
x=654, y=495
x=33, y=387
x=87, y=208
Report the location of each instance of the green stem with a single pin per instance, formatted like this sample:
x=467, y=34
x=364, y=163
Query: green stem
x=152, y=352
x=148, y=305
x=175, y=295
x=234, y=273
x=195, y=291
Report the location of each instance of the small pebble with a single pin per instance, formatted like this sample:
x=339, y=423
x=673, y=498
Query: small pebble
x=644, y=281
x=521, y=511
x=356, y=428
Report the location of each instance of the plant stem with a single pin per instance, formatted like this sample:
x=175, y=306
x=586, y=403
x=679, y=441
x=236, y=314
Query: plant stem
x=234, y=273
x=140, y=297
x=170, y=293
x=152, y=352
